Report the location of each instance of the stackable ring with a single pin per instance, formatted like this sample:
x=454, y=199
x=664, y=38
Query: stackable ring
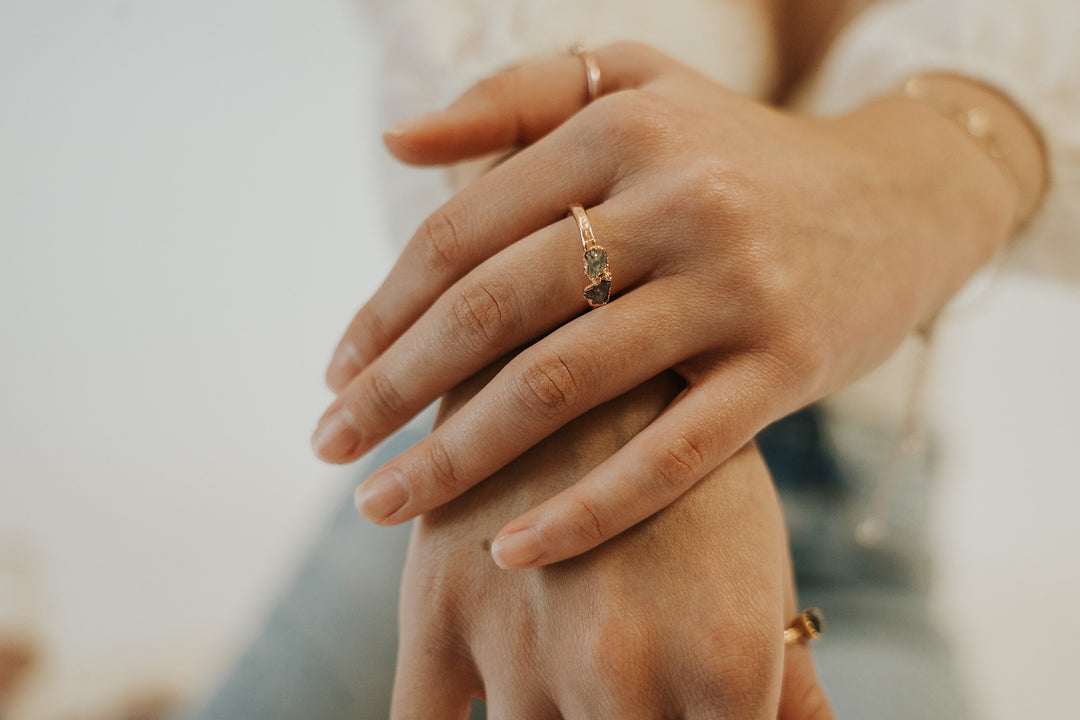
x=808, y=625
x=592, y=69
x=596, y=261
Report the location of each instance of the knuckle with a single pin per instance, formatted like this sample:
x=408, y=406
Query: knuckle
x=679, y=463
x=738, y=679
x=721, y=187
x=373, y=329
x=795, y=354
x=384, y=396
x=632, y=128
x=548, y=386
x=807, y=349
x=441, y=242
x=633, y=119
x=587, y=526
x=741, y=669
x=480, y=311
x=442, y=468
x=622, y=644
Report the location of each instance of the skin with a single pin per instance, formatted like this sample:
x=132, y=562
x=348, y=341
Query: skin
x=761, y=261
x=768, y=259
x=622, y=631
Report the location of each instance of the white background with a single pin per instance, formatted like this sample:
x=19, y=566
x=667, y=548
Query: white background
x=189, y=214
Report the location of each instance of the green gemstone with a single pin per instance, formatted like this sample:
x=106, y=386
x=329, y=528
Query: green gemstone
x=595, y=262
x=598, y=293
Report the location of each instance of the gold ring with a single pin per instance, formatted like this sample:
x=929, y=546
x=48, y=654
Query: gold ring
x=592, y=69
x=809, y=625
x=596, y=261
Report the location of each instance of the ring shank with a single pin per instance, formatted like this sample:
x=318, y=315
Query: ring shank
x=592, y=69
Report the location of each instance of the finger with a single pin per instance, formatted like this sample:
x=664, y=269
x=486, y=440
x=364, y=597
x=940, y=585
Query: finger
x=431, y=681
x=582, y=364
x=696, y=433
x=801, y=695
x=512, y=666
x=426, y=689
x=508, y=707
x=518, y=295
x=735, y=662
x=516, y=691
x=519, y=105
x=529, y=191
x=617, y=687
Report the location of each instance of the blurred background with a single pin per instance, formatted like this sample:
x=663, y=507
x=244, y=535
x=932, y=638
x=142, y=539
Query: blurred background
x=189, y=215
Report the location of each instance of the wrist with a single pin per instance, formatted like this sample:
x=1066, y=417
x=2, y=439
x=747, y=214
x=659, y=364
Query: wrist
x=946, y=205
x=998, y=125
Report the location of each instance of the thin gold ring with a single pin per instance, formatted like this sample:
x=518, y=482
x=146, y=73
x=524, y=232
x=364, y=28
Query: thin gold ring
x=808, y=625
x=592, y=69
x=595, y=259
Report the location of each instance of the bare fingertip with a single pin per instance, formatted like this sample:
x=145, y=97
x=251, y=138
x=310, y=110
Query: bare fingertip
x=344, y=366
x=382, y=495
x=409, y=126
x=517, y=549
x=336, y=438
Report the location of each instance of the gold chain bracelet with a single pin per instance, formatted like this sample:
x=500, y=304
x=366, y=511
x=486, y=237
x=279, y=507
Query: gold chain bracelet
x=977, y=121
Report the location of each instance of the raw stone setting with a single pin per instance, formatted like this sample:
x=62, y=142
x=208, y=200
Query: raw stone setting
x=815, y=621
x=598, y=293
x=595, y=262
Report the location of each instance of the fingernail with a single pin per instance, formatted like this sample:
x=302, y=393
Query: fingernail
x=406, y=127
x=344, y=366
x=517, y=549
x=381, y=495
x=336, y=437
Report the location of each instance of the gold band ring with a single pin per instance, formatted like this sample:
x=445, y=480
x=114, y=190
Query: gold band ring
x=596, y=260
x=592, y=69
x=809, y=625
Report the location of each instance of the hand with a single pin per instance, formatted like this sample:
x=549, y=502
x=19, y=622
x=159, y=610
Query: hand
x=681, y=616
x=769, y=259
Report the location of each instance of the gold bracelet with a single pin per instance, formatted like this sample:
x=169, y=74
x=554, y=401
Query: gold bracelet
x=978, y=123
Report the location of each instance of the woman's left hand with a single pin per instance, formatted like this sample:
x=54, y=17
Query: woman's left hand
x=769, y=259
x=681, y=616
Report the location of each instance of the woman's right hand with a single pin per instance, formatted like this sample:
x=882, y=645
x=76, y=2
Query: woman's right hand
x=682, y=615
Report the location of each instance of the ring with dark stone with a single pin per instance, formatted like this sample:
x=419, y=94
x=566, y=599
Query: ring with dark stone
x=595, y=260
x=809, y=625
